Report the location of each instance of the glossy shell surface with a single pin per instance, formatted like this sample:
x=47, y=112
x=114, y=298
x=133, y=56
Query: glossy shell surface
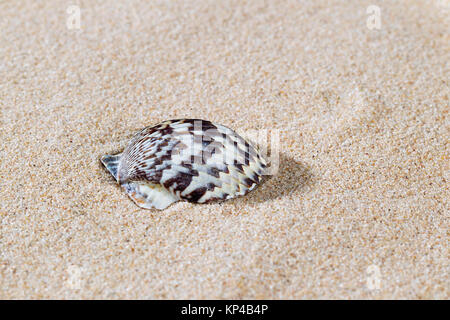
x=186, y=159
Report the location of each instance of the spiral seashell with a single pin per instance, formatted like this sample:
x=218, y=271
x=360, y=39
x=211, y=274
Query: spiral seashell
x=186, y=159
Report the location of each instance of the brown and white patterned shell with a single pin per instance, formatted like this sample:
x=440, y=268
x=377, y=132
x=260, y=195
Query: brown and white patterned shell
x=186, y=159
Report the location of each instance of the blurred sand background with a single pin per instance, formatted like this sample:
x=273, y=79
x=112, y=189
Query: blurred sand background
x=359, y=208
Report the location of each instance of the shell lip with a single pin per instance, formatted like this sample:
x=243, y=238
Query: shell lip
x=111, y=163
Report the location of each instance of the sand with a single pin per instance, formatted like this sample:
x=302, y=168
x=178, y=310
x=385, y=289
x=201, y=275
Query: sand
x=358, y=210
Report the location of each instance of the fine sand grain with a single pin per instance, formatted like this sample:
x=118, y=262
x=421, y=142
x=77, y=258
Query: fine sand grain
x=358, y=209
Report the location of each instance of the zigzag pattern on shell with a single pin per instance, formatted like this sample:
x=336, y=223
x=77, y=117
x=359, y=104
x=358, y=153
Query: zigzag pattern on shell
x=186, y=159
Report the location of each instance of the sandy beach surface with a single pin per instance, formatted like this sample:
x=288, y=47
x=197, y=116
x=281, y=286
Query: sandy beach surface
x=357, y=90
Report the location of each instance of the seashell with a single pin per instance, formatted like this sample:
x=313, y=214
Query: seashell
x=186, y=159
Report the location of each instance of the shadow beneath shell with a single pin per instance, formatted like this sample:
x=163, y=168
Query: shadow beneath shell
x=292, y=177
